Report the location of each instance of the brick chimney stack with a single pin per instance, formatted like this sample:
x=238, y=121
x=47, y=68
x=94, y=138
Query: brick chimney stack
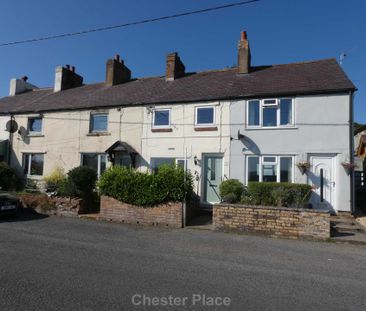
x=243, y=54
x=174, y=67
x=116, y=72
x=66, y=78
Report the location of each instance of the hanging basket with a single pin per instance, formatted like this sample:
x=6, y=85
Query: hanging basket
x=348, y=167
x=303, y=167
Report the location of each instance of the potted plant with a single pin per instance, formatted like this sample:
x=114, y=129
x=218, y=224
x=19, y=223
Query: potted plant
x=303, y=166
x=348, y=167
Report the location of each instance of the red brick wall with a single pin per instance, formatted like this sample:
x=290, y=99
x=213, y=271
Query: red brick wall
x=273, y=221
x=169, y=214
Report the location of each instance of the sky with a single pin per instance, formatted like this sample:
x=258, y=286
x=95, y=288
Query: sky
x=279, y=31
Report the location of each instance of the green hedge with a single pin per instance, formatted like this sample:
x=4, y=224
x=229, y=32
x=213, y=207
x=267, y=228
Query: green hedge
x=278, y=194
x=80, y=182
x=231, y=190
x=168, y=184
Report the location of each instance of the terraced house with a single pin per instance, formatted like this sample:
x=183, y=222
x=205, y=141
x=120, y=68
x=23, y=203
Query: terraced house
x=277, y=123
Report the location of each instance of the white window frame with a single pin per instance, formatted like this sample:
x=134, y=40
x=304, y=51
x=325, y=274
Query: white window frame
x=204, y=124
x=96, y=113
x=161, y=126
x=176, y=159
x=276, y=162
x=263, y=104
x=28, y=174
x=28, y=125
x=99, y=160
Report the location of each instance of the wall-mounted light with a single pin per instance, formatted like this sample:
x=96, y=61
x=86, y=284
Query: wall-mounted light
x=195, y=159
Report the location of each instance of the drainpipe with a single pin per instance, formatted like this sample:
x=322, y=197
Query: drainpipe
x=351, y=152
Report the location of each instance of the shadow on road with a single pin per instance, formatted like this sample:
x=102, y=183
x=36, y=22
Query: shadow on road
x=25, y=215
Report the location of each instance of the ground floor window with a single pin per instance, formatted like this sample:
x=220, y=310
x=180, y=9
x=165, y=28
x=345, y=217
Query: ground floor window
x=96, y=161
x=33, y=164
x=269, y=168
x=156, y=162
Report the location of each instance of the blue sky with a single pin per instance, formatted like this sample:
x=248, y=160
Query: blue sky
x=280, y=31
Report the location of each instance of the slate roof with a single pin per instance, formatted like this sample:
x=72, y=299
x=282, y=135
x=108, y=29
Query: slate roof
x=323, y=76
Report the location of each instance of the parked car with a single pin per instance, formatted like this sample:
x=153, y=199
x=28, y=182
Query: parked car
x=9, y=204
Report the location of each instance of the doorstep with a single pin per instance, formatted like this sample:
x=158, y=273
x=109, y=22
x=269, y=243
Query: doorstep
x=345, y=228
x=94, y=216
x=202, y=221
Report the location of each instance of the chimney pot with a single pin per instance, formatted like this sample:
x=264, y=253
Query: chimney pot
x=24, y=78
x=244, y=36
x=73, y=68
x=118, y=58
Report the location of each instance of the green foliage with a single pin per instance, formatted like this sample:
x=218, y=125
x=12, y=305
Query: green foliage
x=8, y=178
x=279, y=194
x=55, y=180
x=231, y=190
x=168, y=184
x=80, y=182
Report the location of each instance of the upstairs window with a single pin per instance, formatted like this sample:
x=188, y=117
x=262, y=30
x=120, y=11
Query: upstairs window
x=35, y=125
x=98, y=122
x=205, y=116
x=270, y=113
x=161, y=118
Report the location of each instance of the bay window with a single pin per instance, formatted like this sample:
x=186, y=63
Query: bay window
x=268, y=113
x=269, y=168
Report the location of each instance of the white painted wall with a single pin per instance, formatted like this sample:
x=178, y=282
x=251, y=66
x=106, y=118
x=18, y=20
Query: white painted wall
x=185, y=141
x=321, y=126
x=65, y=136
x=3, y=133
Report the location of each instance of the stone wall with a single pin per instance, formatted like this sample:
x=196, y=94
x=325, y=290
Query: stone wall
x=169, y=214
x=63, y=206
x=273, y=221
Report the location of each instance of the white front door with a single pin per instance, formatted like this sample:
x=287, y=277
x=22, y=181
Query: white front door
x=322, y=178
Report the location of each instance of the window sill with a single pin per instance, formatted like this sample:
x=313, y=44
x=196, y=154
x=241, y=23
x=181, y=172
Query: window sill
x=205, y=128
x=271, y=128
x=35, y=135
x=34, y=177
x=161, y=130
x=99, y=134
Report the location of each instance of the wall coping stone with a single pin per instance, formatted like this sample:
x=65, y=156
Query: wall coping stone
x=295, y=209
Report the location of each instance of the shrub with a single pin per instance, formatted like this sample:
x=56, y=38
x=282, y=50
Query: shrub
x=279, y=194
x=55, y=180
x=80, y=182
x=231, y=190
x=8, y=178
x=168, y=184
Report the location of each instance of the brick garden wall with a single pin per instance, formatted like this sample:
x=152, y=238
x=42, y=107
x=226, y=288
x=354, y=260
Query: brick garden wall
x=273, y=221
x=169, y=214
